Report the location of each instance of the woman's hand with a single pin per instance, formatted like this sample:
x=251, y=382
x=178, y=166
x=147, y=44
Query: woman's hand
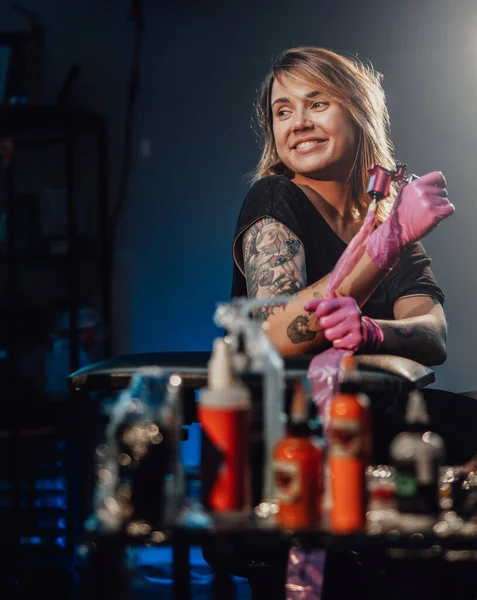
x=421, y=205
x=345, y=326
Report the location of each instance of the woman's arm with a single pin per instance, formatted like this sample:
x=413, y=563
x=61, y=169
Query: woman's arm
x=419, y=331
x=274, y=264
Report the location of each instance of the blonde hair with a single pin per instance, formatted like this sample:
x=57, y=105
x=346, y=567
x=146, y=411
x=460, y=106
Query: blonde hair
x=354, y=85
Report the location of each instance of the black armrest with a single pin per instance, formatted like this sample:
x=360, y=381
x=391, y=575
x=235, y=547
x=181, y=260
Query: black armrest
x=115, y=373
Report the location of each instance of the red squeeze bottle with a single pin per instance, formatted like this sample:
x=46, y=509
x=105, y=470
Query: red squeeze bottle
x=224, y=414
x=349, y=451
x=298, y=469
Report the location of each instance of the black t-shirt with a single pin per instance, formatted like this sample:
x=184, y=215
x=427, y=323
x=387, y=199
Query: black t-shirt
x=278, y=197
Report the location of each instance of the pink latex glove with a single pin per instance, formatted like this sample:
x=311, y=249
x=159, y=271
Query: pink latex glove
x=420, y=206
x=345, y=326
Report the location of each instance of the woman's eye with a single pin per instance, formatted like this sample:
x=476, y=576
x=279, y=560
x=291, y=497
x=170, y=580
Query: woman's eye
x=283, y=112
x=320, y=104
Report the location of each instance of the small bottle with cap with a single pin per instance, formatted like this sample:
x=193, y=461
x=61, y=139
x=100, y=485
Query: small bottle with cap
x=297, y=466
x=418, y=455
x=224, y=414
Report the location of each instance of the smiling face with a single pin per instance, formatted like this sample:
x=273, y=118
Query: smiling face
x=314, y=135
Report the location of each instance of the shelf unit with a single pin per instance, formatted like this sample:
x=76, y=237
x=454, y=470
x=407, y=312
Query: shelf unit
x=53, y=263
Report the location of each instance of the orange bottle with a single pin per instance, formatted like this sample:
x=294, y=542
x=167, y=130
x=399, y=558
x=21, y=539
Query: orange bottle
x=349, y=451
x=297, y=468
x=224, y=413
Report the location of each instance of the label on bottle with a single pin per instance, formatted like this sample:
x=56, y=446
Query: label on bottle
x=345, y=438
x=414, y=495
x=225, y=459
x=287, y=481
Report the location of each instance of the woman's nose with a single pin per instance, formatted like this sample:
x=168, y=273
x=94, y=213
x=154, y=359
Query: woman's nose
x=302, y=122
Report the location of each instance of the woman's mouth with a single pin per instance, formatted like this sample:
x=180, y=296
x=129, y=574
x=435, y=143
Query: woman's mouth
x=309, y=146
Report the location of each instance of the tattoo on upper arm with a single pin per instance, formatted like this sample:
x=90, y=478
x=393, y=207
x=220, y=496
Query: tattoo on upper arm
x=274, y=262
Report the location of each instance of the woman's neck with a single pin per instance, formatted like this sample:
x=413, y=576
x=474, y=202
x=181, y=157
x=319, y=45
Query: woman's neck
x=333, y=197
x=333, y=200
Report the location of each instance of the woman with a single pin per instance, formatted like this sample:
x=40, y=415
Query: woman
x=325, y=123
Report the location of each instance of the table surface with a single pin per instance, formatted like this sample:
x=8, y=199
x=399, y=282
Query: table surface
x=107, y=552
x=260, y=532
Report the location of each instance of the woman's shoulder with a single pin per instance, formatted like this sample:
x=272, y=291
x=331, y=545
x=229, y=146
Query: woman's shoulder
x=269, y=191
x=269, y=197
x=259, y=201
x=269, y=184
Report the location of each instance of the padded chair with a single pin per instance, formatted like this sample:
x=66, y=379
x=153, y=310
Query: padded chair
x=386, y=379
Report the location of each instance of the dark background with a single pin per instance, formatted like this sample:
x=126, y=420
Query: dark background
x=193, y=142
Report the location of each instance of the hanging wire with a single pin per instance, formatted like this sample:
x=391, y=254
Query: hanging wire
x=132, y=95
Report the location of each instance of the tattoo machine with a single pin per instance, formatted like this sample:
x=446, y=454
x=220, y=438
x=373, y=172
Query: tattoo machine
x=380, y=180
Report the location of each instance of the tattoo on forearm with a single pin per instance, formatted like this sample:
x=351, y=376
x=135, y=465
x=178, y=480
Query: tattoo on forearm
x=274, y=262
x=316, y=293
x=303, y=329
x=264, y=311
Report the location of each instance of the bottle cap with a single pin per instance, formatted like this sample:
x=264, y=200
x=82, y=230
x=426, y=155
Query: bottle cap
x=348, y=363
x=416, y=411
x=220, y=367
x=303, y=419
x=350, y=377
x=299, y=408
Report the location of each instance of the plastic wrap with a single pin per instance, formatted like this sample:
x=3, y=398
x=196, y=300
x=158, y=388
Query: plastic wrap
x=306, y=567
x=305, y=574
x=324, y=373
x=324, y=368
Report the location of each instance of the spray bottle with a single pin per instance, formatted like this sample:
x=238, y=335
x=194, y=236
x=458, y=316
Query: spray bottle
x=224, y=414
x=349, y=448
x=263, y=359
x=417, y=456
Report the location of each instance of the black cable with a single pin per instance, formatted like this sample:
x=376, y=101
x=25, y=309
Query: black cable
x=126, y=168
